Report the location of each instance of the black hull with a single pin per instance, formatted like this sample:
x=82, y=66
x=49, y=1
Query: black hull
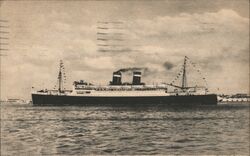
x=63, y=100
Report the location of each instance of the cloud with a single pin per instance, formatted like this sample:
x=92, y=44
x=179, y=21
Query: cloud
x=224, y=21
x=99, y=62
x=63, y=27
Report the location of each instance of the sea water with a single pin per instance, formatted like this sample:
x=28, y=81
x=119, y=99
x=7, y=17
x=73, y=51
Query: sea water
x=28, y=130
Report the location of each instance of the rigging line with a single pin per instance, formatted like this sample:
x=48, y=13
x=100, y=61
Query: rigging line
x=199, y=71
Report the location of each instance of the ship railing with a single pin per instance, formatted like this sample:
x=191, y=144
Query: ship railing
x=121, y=89
x=53, y=92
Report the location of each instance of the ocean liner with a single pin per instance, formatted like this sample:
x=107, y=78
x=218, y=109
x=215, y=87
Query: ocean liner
x=118, y=94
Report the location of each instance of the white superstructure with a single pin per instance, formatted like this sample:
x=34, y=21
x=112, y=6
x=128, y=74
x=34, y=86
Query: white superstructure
x=81, y=88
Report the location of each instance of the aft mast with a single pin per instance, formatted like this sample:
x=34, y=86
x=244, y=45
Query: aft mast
x=184, y=85
x=184, y=76
x=60, y=77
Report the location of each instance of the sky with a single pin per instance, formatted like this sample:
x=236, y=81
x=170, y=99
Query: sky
x=154, y=35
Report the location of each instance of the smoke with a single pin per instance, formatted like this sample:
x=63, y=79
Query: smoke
x=168, y=65
x=145, y=71
x=132, y=69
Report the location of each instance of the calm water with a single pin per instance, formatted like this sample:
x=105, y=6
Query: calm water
x=27, y=130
